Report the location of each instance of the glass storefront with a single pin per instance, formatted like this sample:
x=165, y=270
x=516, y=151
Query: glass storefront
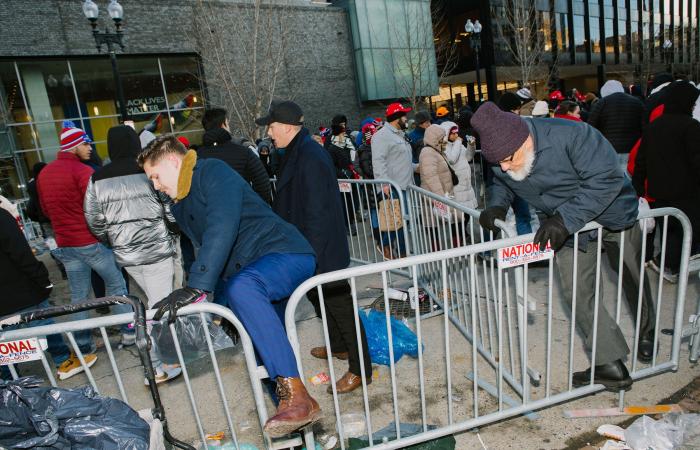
x=162, y=94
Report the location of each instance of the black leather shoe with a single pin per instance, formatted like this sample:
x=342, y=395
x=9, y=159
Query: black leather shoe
x=614, y=376
x=645, y=350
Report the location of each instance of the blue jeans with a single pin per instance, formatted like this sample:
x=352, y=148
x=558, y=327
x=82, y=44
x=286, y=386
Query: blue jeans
x=258, y=296
x=79, y=261
x=522, y=216
x=56, y=347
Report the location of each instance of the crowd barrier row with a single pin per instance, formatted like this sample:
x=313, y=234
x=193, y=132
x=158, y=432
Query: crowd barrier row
x=484, y=352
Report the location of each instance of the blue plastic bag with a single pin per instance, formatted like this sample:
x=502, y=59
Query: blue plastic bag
x=405, y=341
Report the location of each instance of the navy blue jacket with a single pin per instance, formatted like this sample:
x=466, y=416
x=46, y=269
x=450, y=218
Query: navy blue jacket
x=575, y=173
x=230, y=224
x=308, y=197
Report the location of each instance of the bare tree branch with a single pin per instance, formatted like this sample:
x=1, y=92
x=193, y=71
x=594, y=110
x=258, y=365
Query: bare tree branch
x=243, y=46
x=522, y=28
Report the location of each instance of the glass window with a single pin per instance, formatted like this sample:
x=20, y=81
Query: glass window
x=594, y=26
x=562, y=32
x=609, y=40
x=634, y=30
x=48, y=89
x=183, y=85
x=622, y=32
x=13, y=108
x=580, y=42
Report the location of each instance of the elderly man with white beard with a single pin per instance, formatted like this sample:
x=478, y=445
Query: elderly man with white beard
x=569, y=172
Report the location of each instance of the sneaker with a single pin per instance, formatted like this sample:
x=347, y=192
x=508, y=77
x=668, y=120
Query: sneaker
x=668, y=274
x=72, y=365
x=128, y=339
x=165, y=373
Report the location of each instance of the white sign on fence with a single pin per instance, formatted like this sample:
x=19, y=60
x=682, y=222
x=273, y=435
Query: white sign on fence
x=22, y=350
x=520, y=254
x=344, y=186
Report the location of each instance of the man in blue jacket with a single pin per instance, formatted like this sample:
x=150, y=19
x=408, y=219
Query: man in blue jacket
x=262, y=259
x=569, y=171
x=308, y=197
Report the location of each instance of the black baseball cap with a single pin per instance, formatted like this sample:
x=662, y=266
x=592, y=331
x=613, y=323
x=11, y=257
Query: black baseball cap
x=286, y=112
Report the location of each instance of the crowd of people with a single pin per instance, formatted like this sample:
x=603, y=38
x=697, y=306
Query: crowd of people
x=189, y=221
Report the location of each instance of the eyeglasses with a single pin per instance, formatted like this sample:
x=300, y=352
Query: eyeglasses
x=507, y=160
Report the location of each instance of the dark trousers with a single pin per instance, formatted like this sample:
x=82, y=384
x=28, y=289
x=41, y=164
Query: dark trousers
x=341, y=324
x=674, y=236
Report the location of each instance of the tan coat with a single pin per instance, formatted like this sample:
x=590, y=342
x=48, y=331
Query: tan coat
x=435, y=175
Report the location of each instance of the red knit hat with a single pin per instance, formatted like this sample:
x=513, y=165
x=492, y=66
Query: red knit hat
x=72, y=136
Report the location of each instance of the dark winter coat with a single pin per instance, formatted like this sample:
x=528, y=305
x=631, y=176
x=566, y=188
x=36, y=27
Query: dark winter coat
x=123, y=210
x=61, y=187
x=230, y=224
x=365, y=156
x=669, y=154
x=217, y=144
x=23, y=278
x=621, y=118
x=575, y=174
x=308, y=197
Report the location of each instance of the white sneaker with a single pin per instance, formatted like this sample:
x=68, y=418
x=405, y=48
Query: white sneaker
x=165, y=373
x=128, y=339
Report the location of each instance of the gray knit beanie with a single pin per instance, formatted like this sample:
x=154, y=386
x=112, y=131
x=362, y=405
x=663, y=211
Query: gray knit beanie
x=501, y=133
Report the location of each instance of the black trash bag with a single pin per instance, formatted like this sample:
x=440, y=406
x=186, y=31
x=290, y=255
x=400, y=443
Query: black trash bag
x=33, y=416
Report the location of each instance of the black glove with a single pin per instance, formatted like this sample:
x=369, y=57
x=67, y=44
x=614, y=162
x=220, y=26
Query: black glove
x=489, y=215
x=176, y=300
x=552, y=230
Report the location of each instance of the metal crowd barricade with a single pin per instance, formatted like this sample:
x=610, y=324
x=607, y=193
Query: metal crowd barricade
x=443, y=386
x=370, y=239
x=206, y=382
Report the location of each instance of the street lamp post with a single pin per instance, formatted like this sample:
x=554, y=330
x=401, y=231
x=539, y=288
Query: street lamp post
x=473, y=30
x=111, y=40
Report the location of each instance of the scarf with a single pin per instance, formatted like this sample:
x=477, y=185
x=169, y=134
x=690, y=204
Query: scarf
x=184, y=180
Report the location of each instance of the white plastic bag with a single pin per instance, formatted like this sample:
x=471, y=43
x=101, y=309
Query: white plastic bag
x=669, y=433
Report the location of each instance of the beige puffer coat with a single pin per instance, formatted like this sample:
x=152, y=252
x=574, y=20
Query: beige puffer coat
x=435, y=174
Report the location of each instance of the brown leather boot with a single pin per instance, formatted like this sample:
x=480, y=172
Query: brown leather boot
x=348, y=383
x=321, y=353
x=295, y=410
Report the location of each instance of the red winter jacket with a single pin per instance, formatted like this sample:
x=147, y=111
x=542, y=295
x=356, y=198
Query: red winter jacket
x=61, y=187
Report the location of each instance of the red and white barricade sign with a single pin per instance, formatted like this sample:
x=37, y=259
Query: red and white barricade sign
x=22, y=350
x=520, y=254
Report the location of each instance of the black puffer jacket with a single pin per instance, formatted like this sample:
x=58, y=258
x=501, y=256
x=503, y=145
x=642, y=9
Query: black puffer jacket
x=217, y=144
x=24, y=280
x=620, y=118
x=669, y=155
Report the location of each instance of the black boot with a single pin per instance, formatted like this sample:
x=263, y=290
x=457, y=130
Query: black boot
x=645, y=349
x=614, y=376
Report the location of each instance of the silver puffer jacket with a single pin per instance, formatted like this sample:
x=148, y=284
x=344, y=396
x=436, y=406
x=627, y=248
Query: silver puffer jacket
x=124, y=211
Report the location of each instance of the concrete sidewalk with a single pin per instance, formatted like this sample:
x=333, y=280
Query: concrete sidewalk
x=550, y=430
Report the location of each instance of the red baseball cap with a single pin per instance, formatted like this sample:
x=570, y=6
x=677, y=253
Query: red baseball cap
x=396, y=108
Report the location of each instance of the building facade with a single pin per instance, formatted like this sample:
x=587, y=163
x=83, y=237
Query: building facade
x=585, y=42
x=50, y=71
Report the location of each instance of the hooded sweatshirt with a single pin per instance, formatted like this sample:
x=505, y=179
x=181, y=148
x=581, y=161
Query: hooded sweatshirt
x=123, y=210
x=611, y=87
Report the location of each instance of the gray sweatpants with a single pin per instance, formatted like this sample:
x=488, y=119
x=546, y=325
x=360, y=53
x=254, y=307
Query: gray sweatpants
x=611, y=342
